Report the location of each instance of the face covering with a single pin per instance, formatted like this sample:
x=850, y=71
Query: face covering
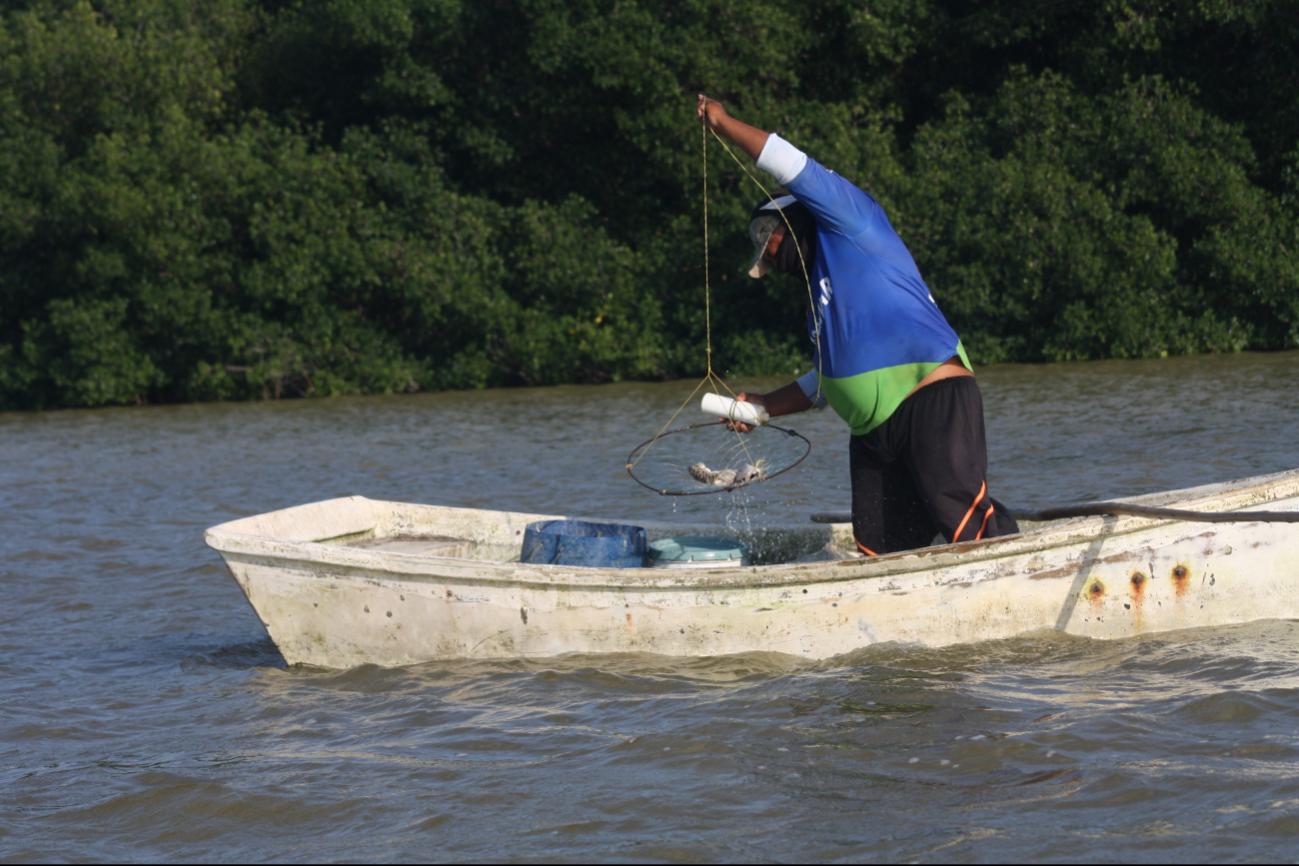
x=804, y=229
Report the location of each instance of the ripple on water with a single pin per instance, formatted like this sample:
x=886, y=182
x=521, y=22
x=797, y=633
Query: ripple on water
x=144, y=713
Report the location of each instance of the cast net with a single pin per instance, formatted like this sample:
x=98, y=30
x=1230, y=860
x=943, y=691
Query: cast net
x=713, y=457
x=708, y=458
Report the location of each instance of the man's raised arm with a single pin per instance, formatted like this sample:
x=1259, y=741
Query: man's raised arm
x=749, y=139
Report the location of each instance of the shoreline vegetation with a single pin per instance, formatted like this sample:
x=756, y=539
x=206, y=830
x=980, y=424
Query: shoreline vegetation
x=258, y=199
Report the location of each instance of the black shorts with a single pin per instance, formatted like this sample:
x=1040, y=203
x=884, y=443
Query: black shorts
x=923, y=472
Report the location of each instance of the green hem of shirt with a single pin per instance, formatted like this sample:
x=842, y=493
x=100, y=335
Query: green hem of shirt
x=867, y=400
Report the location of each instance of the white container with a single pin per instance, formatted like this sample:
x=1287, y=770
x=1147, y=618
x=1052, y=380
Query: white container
x=745, y=413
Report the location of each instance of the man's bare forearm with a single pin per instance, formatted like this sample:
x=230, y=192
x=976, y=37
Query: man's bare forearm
x=782, y=401
x=786, y=400
x=747, y=138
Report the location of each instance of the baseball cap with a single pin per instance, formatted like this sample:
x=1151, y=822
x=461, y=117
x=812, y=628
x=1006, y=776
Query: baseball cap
x=766, y=219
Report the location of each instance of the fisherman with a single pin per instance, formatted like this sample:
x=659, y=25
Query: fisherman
x=885, y=358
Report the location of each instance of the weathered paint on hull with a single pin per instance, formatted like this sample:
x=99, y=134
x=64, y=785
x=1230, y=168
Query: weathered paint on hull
x=335, y=606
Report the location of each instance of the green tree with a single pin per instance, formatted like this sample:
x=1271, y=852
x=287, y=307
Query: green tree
x=256, y=198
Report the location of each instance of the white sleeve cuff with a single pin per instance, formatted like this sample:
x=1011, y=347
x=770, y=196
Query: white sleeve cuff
x=811, y=385
x=781, y=159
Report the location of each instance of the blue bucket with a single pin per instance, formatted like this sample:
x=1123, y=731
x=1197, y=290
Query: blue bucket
x=580, y=542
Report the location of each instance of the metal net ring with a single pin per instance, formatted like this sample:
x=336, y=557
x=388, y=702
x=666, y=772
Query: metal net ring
x=666, y=467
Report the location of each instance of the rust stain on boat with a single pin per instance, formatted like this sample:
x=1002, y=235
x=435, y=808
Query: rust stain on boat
x=1181, y=578
x=1096, y=592
x=1138, y=583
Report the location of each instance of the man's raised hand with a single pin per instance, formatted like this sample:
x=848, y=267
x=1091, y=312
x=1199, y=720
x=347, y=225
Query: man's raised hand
x=711, y=112
x=749, y=138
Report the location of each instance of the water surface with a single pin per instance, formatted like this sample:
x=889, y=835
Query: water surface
x=144, y=714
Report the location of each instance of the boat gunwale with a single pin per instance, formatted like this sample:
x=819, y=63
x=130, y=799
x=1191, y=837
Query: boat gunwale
x=1230, y=495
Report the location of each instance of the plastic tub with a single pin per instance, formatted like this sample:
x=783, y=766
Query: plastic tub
x=584, y=543
x=697, y=551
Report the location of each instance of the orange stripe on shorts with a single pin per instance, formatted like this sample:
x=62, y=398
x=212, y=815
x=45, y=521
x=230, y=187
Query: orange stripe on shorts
x=983, y=488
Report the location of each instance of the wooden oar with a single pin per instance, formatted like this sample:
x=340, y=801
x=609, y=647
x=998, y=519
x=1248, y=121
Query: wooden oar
x=1096, y=509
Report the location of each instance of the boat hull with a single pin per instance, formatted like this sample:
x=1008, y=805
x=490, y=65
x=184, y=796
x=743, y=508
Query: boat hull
x=328, y=604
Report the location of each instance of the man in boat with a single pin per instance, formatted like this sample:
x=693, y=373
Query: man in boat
x=885, y=360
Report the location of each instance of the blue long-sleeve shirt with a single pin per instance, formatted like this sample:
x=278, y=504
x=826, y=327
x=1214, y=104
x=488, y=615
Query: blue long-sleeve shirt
x=877, y=329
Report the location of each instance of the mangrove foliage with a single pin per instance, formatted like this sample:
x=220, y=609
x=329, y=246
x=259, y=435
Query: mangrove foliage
x=231, y=199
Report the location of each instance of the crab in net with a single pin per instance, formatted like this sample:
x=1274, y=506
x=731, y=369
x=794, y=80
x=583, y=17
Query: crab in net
x=709, y=458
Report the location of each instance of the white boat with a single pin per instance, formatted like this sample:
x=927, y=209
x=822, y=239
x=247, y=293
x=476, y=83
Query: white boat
x=353, y=580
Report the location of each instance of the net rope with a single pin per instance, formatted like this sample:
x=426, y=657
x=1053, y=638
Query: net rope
x=710, y=377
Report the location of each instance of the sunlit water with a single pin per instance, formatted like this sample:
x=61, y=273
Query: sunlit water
x=144, y=714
